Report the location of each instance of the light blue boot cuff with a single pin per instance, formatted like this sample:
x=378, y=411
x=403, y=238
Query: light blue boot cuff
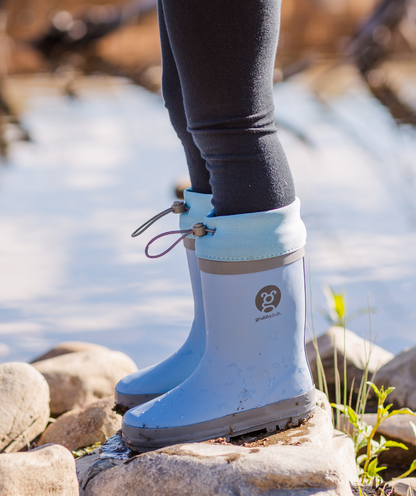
x=255, y=236
x=199, y=205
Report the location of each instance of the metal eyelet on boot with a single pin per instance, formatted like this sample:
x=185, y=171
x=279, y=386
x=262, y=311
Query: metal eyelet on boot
x=179, y=207
x=200, y=229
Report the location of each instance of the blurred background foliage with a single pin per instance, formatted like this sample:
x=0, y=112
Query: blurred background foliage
x=70, y=38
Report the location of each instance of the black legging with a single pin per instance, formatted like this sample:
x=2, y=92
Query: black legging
x=218, y=59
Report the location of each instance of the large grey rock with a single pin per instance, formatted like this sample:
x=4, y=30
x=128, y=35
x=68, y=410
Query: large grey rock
x=356, y=351
x=84, y=426
x=305, y=460
x=49, y=470
x=79, y=379
x=69, y=347
x=24, y=405
x=90, y=465
x=400, y=373
x=207, y=470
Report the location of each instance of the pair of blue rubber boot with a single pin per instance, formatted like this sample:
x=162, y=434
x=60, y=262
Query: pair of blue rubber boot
x=243, y=367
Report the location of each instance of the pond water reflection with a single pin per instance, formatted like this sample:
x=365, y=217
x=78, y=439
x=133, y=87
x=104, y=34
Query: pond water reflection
x=101, y=165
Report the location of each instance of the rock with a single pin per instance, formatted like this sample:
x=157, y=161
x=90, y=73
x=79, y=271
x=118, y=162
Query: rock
x=183, y=184
x=46, y=470
x=398, y=429
x=89, y=466
x=343, y=447
x=304, y=460
x=151, y=78
x=84, y=426
x=221, y=470
x=69, y=347
x=24, y=405
x=404, y=487
x=322, y=401
x=400, y=373
x=79, y=379
x=356, y=350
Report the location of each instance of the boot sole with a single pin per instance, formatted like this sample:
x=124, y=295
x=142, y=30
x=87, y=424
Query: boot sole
x=131, y=400
x=276, y=416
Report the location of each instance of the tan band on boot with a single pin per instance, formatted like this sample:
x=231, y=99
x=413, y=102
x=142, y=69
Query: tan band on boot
x=233, y=268
x=189, y=243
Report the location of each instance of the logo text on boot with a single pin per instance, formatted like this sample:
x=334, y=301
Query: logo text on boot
x=267, y=300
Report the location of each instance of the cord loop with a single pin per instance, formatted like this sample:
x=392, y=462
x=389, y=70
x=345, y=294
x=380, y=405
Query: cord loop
x=198, y=230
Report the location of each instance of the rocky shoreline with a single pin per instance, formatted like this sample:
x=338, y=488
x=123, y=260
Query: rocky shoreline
x=61, y=404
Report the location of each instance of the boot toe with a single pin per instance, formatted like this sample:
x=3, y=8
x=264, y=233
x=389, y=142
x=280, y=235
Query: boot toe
x=181, y=417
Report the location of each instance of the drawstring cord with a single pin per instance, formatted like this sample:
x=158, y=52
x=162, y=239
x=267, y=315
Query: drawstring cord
x=199, y=229
x=178, y=207
x=146, y=250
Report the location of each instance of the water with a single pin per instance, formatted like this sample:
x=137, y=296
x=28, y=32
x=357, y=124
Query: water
x=69, y=269
x=101, y=165
x=115, y=448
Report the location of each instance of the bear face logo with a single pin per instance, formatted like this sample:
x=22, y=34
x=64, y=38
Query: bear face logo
x=268, y=298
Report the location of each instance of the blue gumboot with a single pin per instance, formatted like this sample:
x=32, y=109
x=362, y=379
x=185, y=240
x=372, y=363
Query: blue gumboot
x=254, y=373
x=149, y=383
